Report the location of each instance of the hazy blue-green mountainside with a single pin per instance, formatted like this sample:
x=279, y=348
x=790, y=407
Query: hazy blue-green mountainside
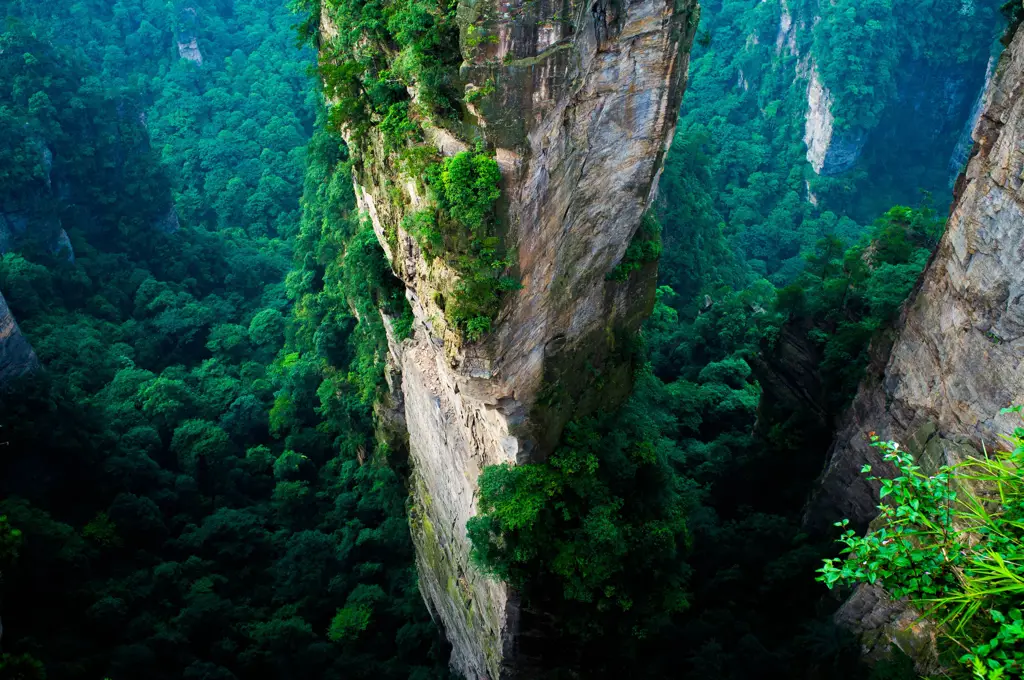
x=198, y=484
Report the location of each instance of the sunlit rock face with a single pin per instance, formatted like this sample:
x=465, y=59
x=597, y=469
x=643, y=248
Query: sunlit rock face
x=958, y=356
x=584, y=103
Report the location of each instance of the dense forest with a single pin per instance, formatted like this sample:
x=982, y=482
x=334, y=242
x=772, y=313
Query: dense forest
x=197, y=483
x=197, y=492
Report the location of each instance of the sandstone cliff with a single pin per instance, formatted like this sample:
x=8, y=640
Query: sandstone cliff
x=957, y=356
x=579, y=101
x=829, y=151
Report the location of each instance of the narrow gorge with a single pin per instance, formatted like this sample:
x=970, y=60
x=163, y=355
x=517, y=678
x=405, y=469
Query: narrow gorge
x=943, y=378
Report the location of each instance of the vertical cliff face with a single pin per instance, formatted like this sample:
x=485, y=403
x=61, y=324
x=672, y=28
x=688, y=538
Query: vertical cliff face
x=956, y=360
x=962, y=152
x=829, y=151
x=579, y=101
x=16, y=355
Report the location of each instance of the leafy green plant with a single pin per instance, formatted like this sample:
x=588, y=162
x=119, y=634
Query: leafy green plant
x=645, y=247
x=10, y=541
x=466, y=188
x=349, y=622
x=952, y=543
x=397, y=128
x=849, y=294
x=380, y=50
x=577, y=531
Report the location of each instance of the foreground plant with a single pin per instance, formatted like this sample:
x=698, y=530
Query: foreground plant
x=952, y=545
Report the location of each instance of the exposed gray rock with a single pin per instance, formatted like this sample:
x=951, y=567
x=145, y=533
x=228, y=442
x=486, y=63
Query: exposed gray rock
x=962, y=151
x=884, y=624
x=63, y=245
x=829, y=151
x=16, y=355
x=46, y=161
x=169, y=223
x=189, y=50
x=786, y=37
x=187, y=39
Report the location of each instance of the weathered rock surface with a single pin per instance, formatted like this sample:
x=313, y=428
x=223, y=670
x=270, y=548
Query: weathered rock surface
x=788, y=374
x=584, y=103
x=958, y=357
x=884, y=624
x=16, y=355
x=187, y=39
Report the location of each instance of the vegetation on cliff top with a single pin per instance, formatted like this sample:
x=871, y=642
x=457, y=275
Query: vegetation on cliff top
x=379, y=54
x=463, y=231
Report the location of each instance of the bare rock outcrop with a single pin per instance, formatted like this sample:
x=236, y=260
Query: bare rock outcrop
x=16, y=355
x=187, y=39
x=580, y=104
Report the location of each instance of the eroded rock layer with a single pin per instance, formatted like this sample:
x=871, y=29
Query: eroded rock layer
x=580, y=103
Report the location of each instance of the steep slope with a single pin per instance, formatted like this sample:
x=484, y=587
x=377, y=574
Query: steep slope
x=578, y=103
x=873, y=74
x=780, y=89
x=955, y=361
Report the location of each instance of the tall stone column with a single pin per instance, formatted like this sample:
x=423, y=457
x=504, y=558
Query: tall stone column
x=579, y=101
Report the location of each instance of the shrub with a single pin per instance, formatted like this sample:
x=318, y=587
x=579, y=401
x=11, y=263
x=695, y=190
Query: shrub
x=645, y=247
x=466, y=187
x=952, y=544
